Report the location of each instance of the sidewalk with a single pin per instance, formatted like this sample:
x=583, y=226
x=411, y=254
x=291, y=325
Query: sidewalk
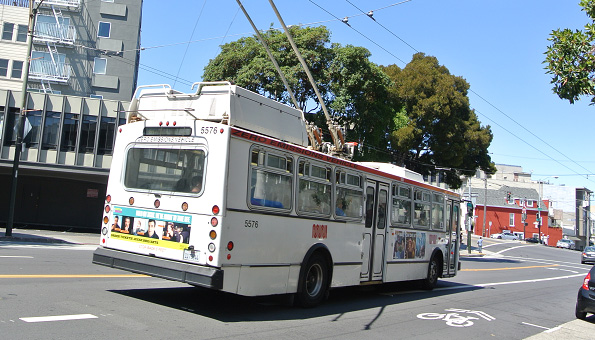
x=573, y=330
x=49, y=236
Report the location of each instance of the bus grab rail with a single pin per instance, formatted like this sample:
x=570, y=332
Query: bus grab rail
x=201, y=84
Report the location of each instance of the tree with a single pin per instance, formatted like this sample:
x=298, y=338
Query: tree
x=354, y=89
x=571, y=59
x=441, y=129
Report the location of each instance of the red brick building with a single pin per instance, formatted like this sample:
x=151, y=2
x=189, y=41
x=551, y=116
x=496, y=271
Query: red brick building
x=505, y=209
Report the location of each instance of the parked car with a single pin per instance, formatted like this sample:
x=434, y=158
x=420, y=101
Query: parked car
x=506, y=236
x=565, y=243
x=585, y=302
x=532, y=240
x=588, y=255
x=496, y=236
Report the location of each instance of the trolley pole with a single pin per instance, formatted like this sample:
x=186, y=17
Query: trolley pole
x=21, y=121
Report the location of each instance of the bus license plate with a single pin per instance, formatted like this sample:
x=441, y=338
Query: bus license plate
x=191, y=255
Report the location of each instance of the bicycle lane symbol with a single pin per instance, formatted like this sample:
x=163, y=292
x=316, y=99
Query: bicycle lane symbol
x=455, y=319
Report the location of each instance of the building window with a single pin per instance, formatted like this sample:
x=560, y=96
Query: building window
x=31, y=138
x=104, y=29
x=11, y=126
x=69, y=131
x=3, y=67
x=511, y=219
x=17, y=69
x=50, y=131
x=7, y=30
x=99, y=65
x=88, y=128
x=107, y=128
x=22, y=31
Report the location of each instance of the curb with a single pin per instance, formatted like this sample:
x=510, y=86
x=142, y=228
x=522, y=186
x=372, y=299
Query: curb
x=32, y=239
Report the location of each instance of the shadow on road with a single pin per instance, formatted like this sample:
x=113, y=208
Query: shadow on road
x=227, y=307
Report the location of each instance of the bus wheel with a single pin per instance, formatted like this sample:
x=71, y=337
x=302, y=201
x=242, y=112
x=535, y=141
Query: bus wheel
x=314, y=281
x=433, y=271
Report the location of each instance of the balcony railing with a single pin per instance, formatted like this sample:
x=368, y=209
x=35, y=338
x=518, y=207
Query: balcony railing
x=50, y=71
x=16, y=3
x=48, y=32
x=62, y=3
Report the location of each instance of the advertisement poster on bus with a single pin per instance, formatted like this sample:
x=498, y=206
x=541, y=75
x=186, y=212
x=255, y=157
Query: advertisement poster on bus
x=162, y=229
x=409, y=245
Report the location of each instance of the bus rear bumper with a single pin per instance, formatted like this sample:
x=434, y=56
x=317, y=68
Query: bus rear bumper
x=166, y=269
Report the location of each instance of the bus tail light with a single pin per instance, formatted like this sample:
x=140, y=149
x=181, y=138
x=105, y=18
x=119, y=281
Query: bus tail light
x=212, y=247
x=184, y=206
x=230, y=245
x=108, y=198
x=215, y=210
x=213, y=234
x=131, y=200
x=157, y=203
x=105, y=219
x=210, y=258
x=214, y=222
x=107, y=209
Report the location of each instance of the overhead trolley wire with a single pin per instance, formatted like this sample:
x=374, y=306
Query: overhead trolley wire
x=470, y=90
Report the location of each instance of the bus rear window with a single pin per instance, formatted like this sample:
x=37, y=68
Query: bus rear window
x=169, y=170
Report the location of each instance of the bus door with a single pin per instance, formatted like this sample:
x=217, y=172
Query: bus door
x=374, y=237
x=453, y=237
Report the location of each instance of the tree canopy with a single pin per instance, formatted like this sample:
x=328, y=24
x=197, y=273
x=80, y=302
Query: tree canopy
x=441, y=131
x=355, y=90
x=571, y=61
x=418, y=116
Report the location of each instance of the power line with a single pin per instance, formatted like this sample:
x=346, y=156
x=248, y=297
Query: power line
x=188, y=45
x=470, y=90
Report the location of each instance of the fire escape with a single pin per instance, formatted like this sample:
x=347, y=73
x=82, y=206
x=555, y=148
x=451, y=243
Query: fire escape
x=53, y=33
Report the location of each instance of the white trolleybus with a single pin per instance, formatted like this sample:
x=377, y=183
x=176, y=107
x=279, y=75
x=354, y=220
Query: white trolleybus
x=218, y=188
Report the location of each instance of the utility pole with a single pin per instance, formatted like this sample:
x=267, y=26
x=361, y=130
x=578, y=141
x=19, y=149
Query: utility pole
x=485, y=205
x=470, y=217
x=21, y=121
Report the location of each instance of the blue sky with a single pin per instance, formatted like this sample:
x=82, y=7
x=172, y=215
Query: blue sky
x=496, y=45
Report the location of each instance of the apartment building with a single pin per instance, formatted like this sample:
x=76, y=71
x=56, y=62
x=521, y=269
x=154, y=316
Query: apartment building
x=85, y=48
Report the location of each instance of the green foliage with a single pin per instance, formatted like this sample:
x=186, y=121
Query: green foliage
x=415, y=116
x=441, y=129
x=355, y=90
x=246, y=63
x=571, y=61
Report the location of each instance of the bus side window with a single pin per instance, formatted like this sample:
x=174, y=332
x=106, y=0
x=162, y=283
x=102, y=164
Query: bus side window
x=270, y=181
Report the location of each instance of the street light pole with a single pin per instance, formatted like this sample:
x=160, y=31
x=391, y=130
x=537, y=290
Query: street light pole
x=21, y=121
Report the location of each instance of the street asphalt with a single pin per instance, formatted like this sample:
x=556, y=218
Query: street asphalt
x=573, y=330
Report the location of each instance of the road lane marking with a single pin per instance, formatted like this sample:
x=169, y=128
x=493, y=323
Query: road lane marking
x=59, y=318
x=483, y=285
x=564, y=270
x=75, y=276
x=530, y=324
x=507, y=268
x=507, y=249
x=16, y=256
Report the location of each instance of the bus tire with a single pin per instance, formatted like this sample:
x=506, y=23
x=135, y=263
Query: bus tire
x=314, y=281
x=431, y=280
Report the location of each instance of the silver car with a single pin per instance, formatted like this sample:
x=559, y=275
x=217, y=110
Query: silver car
x=565, y=243
x=507, y=236
x=588, y=255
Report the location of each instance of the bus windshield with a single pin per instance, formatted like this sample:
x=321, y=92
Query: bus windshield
x=169, y=170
